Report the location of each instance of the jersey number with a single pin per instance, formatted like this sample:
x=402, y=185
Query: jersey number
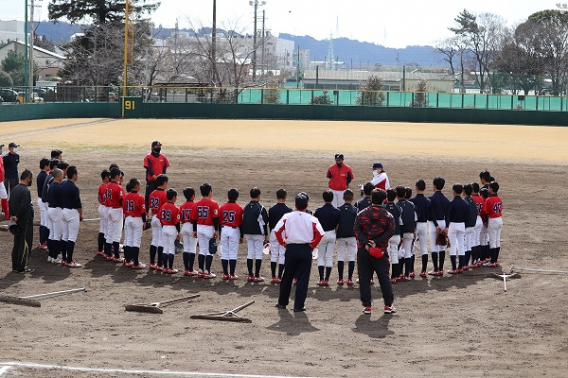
x=108, y=194
x=166, y=215
x=228, y=216
x=203, y=211
x=129, y=206
x=185, y=215
x=154, y=203
x=498, y=208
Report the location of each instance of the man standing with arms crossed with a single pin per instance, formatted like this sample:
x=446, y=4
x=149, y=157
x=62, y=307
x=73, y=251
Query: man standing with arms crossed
x=374, y=226
x=156, y=164
x=340, y=176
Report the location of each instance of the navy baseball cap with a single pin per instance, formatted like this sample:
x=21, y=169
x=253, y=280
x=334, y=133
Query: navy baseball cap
x=338, y=156
x=12, y=144
x=377, y=165
x=156, y=143
x=212, y=246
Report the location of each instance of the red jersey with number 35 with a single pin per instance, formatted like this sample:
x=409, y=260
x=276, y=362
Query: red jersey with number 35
x=114, y=195
x=231, y=214
x=134, y=205
x=102, y=194
x=169, y=214
x=156, y=200
x=206, y=210
x=186, y=209
x=493, y=206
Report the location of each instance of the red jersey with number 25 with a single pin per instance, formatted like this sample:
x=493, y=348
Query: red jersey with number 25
x=169, y=214
x=206, y=210
x=134, y=205
x=186, y=209
x=114, y=195
x=156, y=200
x=231, y=214
x=493, y=206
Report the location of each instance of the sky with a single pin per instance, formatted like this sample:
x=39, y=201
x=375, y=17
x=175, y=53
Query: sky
x=389, y=23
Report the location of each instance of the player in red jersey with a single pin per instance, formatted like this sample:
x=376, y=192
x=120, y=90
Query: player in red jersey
x=114, y=201
x=157, y=198
x=231, y=221
x=493, y=208
x=156, y=164
x=478, y=225
x=189, y=242
x=134, y=208
x=205, y=227
x=170, y=218
x=340, y=176
x=103, y=211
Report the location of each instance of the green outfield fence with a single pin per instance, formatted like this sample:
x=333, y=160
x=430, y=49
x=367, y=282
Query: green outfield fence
x=285, y=103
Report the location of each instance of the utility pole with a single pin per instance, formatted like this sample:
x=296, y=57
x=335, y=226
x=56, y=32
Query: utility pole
x=263, y=31
x=298, y=68
x=30, y=94
x=26, y=43
x=214, y=41
x=255, y=4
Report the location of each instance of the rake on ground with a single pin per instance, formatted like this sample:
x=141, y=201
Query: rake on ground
x=514, y=269
x=228, y=316
x=30, y=299
x=156, y=307
x=505, y=276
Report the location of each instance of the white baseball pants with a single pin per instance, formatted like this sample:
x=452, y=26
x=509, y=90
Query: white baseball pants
x=230, y=243
x=115, y=219
x=103, y=216
x=337, y=198
x=407, y=239
x=469, y=238
x=56, y=217
x=133, y=231
x=346, y=248
x=71, y=222
x=169, y=235
x=326, y=248
x=478, y=227
x=204, y=234
x=254, y=245
x=456, y=236
x=392, y=248
x=433, y=234
x=277, y=251
x=42, y=212
x=494, y=228
x=189, y=242
x=156, y=232
x=422, y=237
x=3, y=192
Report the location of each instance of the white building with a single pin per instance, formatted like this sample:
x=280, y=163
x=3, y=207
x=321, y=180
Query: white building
x=12, y=31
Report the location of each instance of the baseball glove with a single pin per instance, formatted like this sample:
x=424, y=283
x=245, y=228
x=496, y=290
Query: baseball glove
x=441, y=239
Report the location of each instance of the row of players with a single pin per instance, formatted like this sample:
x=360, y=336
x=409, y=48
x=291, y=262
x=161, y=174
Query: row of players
x=467, y=226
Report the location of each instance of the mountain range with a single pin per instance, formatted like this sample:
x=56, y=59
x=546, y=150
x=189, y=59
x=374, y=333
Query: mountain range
x=354, y=53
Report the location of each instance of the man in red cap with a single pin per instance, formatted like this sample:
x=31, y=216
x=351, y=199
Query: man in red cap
x=156, y=164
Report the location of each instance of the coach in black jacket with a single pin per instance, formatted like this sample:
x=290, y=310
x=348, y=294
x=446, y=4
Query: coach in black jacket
x=22, y=213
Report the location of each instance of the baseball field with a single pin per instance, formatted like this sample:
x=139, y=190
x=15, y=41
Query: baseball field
x=464, y=325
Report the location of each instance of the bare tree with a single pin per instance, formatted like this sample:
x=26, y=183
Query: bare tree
x=453, y=49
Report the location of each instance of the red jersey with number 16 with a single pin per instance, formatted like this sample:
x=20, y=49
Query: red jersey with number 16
x=114, y=195
x=231, y=214
x=134, y=205
x=206, y=210
x=169, y=214
x=186, y=209
x=156, y=200
x=493, y=206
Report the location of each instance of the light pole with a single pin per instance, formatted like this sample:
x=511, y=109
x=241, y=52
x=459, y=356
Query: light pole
x=26, y=30
x=214, y=41
x=255, y=4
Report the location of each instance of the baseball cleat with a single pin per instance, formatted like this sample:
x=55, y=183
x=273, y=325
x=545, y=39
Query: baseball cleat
x=258, y=279
x=100, y=253
x=321, y=283
x=208, y=276
x=127, y=264
x=394, y=280
x=190, y=273
x=72, y=264
x=233, y=277
x=139, y=266
x=108, y=257
x=453, y=271
x=367, y=310
x=152, y=266
x=274, y=280
x=279, y=280
x=349, y=282
x=389, y=309
x=160, y=268
x=173, y=271
x=225, y=277
x=201, y=274
x=118, y=260
x=405, y=279
x=340, y=282
x=423, y=273
x=250, y=278
x=412, y=274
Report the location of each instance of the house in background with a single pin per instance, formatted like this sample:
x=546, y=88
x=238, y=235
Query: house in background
x=48, y=63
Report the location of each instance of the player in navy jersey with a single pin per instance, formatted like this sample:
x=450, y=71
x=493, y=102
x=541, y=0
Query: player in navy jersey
x=275, y=213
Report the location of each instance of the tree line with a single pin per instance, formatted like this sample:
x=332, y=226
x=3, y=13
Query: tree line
x=530, y=56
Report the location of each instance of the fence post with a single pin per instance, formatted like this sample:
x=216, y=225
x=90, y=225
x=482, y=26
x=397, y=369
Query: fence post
x=261, y=96
x=437, y=100
x=463, y=99
x=287, y=97
x=512, y=99
x=388, y=99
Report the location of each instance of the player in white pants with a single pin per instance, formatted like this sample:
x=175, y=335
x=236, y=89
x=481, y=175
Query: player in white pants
x=103, y=212
x=55, y=218
x=205, y=227
x=277, y=255
x=231, y=221
x=328, y=216
x=493, y=208
x=459, y=210
x=134, y=210
x=189, y=242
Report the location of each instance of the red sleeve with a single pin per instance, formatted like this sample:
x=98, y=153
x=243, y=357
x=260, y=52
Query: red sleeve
x=317, y=236
x=279, y=232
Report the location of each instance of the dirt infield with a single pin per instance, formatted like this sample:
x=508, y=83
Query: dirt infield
x=445, y=326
